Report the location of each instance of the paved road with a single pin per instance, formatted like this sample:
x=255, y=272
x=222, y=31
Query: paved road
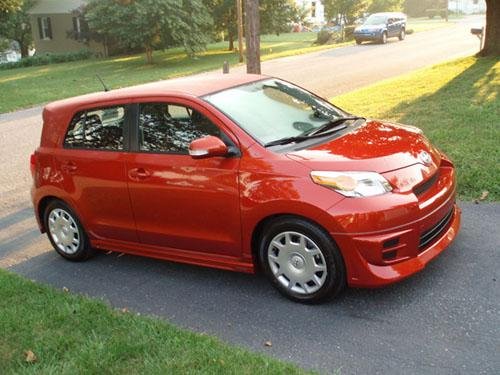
x=444, y=320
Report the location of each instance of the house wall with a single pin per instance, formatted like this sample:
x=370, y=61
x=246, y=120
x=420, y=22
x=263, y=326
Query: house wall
x=319, y=17
x=61, y=24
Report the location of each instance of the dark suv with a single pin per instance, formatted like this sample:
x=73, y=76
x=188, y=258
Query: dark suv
x=380, y=26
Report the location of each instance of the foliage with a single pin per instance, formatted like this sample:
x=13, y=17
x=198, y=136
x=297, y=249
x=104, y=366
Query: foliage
x=15, y=25
x=345, y=10
x=385, y=6
x=277, y=15
x=152, y=24
x=418, y=8
x=48, y=58
x=324, y=36
x=10, y=5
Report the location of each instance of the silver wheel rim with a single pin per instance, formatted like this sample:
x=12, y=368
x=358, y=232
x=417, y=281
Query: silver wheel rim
x=402, y=34
x=297, y=262
x=384, y=38
x=64, y=231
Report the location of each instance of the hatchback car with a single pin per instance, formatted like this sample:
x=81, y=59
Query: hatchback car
x=378, y=27
x=243, y=172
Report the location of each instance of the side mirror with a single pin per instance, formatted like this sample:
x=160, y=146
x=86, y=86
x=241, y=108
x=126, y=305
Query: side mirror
x=207, y=147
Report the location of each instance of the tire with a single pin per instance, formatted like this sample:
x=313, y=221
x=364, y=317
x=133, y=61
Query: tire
x=65, y=232
x=383, y=38
x=306, y=266
x=358, y=41
x=402, y=34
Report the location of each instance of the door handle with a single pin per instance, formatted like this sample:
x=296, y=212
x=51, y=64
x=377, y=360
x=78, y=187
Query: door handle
x=139, y=174
x=69, y=167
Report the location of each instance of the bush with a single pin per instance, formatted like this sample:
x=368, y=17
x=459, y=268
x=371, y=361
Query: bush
x=48, y=58
x=349, y=32
x=323, y=37
x=409, y=31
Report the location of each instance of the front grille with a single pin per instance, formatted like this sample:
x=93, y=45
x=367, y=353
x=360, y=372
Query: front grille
x=429, y=235
x=426, y=185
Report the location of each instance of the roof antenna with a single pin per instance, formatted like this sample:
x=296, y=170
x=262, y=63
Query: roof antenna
x=106, y=88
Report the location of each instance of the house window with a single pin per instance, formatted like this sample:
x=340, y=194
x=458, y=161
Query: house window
x=44, y=28
x=77, y=25
x=313, y=9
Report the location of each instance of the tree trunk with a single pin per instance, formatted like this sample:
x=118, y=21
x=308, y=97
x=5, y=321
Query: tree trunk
x=149, y=54
x=252, y=36
x=24, y=49
x=492, y=33
x=230, y=37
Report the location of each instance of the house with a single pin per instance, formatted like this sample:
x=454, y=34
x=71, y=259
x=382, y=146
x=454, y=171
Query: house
x=57, y=27
x=467, y=6
x=315, y=11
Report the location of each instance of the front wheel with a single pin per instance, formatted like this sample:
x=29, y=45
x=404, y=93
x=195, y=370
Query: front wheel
x=383, y=38
x=65, y=232
x=301, y=260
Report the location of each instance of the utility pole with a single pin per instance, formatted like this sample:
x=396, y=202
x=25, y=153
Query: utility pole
x=252, y=36
x=239, y=11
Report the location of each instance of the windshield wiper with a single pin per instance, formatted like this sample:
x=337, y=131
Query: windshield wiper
x=331, y=125
x=303, y=137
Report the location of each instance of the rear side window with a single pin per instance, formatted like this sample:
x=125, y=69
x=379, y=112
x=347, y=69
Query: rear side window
x=97, y=129
x=170, y=128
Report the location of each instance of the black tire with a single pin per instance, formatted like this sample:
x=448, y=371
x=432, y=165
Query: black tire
x=383, y=38
x=402, y=34
x=335, y=280
x=358, y=41
x=77, y=253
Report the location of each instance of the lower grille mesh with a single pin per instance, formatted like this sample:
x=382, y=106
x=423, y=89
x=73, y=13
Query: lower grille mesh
x=430, y=234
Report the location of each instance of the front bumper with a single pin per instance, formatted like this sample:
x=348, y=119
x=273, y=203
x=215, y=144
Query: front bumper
x=368, y=36
x=398, y=234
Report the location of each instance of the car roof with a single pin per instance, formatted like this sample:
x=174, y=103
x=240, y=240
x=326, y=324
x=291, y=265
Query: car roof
x=193, y=86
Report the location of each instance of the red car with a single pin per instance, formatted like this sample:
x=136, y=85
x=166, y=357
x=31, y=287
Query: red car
x=243, y=172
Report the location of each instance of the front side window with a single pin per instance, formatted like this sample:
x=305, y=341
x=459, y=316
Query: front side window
x=273, y=109
x=99, y=129
x=170, y=128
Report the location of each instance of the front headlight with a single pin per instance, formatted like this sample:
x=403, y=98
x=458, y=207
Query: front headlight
x=353, y=184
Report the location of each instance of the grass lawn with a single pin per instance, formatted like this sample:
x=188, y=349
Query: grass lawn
x=71, y=334
x=425, y=23
x=25, y=87
x=457, y=104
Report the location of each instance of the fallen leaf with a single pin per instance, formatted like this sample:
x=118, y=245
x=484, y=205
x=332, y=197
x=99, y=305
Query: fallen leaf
x=484, y=195
x=120, y=255
x=124, y=310
x=109, y=252
x=30, y=357
x=65, y=289
x=268, y=344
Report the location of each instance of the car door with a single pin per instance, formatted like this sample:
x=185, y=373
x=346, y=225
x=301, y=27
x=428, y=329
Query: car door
x=180, y=202
x=91, y=169
x=392, y=27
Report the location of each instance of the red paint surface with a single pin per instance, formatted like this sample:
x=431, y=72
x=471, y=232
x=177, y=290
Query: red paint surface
x=205, y=211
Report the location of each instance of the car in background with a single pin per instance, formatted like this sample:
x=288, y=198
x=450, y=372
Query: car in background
x=243, y=172
x=378, y=27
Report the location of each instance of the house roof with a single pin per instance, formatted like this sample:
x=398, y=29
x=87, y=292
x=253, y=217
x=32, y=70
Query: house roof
x=56, y=6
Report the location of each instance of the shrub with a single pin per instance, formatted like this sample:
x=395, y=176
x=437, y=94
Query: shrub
x=323, y=37
x=349, y=31
x=48, y=58
x=409, y=31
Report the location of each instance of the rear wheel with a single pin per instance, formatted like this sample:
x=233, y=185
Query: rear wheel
x=65, y=232
x=402, y=34
x=301, y=260
x=358, y=41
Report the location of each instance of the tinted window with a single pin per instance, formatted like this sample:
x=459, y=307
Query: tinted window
x=100, y=129
x=171, y=128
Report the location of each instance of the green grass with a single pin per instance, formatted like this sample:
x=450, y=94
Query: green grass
x=71, y=334
x=25, y=87
x=457, y=104
x=425, y=23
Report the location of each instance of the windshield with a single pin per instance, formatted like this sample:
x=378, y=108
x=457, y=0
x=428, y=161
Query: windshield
x=272, y=109
x=375, y=20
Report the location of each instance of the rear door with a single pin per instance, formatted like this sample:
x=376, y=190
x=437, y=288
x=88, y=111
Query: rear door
x=91, y=168
x=180, y=202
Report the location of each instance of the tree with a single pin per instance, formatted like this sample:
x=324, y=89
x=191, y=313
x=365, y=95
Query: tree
x=15, y=25
x=252, y=35
x=224, y=16
x=345, y=10
x=492, y=32
x=276, y=16
x=151, y=24
x=385, y=6
x=10, y=5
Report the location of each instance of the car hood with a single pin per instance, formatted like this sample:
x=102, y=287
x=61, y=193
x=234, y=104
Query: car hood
x=370, y=27
x=376, y=146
